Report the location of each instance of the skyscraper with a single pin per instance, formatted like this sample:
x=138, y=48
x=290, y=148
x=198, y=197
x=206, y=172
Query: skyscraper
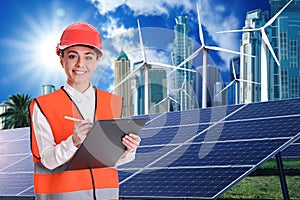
x=250, y=67
x=46, y=89
x=183, y=80
x=286, y=43
x=122, y=69
x=158, y=90
x=214, y=85
x=230, y=91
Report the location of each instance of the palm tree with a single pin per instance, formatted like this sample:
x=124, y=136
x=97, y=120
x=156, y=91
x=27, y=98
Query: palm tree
x=17, y=113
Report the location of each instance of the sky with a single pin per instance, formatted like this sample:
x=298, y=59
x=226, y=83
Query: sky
x=30, y=30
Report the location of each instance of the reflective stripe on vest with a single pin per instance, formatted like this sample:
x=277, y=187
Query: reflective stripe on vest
x=58, y=181
x=104, y=194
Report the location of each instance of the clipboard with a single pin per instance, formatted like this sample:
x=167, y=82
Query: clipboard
x=103, y=145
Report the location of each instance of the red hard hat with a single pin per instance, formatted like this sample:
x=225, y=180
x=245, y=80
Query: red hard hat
x=80, y=33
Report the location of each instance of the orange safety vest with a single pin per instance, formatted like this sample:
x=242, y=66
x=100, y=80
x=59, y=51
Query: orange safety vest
x=78, y=184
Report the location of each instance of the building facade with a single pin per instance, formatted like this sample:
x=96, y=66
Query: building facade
x=286, y=42
x=46, y=89
x=158, y=91
x=183, y=80
x=214, y=86
x=250, y=68
x=122, y=69
x=230, y=91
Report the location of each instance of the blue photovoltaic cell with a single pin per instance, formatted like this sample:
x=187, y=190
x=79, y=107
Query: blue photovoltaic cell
x=8, y=160
x=24, y=164
x=19, y=147
x=268, y=109
x=27, y=192
x=197, y=116
x=169, y=135
x=293, y=151
x=19, y=133
x=125, y=174
x=223, y=153
x=193, y=182
x=13, y=184
x=146, y=156
x=252, y=129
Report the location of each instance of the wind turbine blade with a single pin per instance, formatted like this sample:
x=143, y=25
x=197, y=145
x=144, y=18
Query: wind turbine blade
x=277, y=14
x=187, y=94
x=200, y=26
x=227, y=86
x=170, y=66
x=193, y=55
x=228, y=51
x=183, y=83
x=266, y=40
x=164, y=99
x=174, y=100
x=128, y=76
x=238, y=31
x=233, y=70
x=141, y=42
x=247, y=81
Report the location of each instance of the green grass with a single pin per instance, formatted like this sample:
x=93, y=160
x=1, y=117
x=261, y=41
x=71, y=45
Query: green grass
x=267, y=187
x=288, y=164
x=264, y=187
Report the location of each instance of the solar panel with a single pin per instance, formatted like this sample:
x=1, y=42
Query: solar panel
x=293, y=151
x=205, y=162
x=191, y=154
x=16, y=167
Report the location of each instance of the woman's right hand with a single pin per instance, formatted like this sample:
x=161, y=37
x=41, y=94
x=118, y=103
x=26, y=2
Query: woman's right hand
x=81, y=130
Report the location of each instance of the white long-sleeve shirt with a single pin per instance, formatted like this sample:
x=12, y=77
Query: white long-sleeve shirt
x=54, y=155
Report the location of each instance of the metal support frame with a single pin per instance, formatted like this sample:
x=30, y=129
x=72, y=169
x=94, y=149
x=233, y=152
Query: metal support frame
x=284, y=187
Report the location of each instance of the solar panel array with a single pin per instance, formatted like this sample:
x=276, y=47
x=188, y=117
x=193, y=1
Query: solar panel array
x=16, y=167
x=203, y=153
x=190, y=154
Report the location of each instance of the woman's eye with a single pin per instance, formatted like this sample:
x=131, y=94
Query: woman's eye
x=89, y=58
x=72, y=56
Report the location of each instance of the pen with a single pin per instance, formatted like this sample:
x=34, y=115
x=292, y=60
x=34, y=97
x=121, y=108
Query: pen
x=74, y=119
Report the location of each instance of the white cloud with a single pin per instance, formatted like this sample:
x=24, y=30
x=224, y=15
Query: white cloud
x=212, y=18
x=153, y=7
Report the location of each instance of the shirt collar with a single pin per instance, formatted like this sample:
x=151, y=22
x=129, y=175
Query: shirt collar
x=79, y=96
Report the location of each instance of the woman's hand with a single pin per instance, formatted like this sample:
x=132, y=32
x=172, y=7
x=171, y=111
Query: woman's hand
x=131, y=141
x=81, y=130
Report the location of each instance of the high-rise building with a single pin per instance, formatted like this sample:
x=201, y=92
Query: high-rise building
x=122, y=69
x=214, y=86
x=230, y=91
x=286, y=44
x=250, y=67
x=158, y=91
x=3, y=108
x=46, y=89
x=183, y=80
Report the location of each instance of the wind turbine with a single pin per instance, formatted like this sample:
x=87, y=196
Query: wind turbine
x=147, y=65
x=168, y=98
x=236, y=81
x=265, y=42
x=205, y=49
x=182, y=90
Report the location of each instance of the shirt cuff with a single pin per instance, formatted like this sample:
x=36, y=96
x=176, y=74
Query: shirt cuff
x=70, y=144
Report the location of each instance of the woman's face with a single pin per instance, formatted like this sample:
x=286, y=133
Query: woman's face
x=79, y=63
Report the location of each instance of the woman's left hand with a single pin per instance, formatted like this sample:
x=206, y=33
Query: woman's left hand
x=131, y=141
